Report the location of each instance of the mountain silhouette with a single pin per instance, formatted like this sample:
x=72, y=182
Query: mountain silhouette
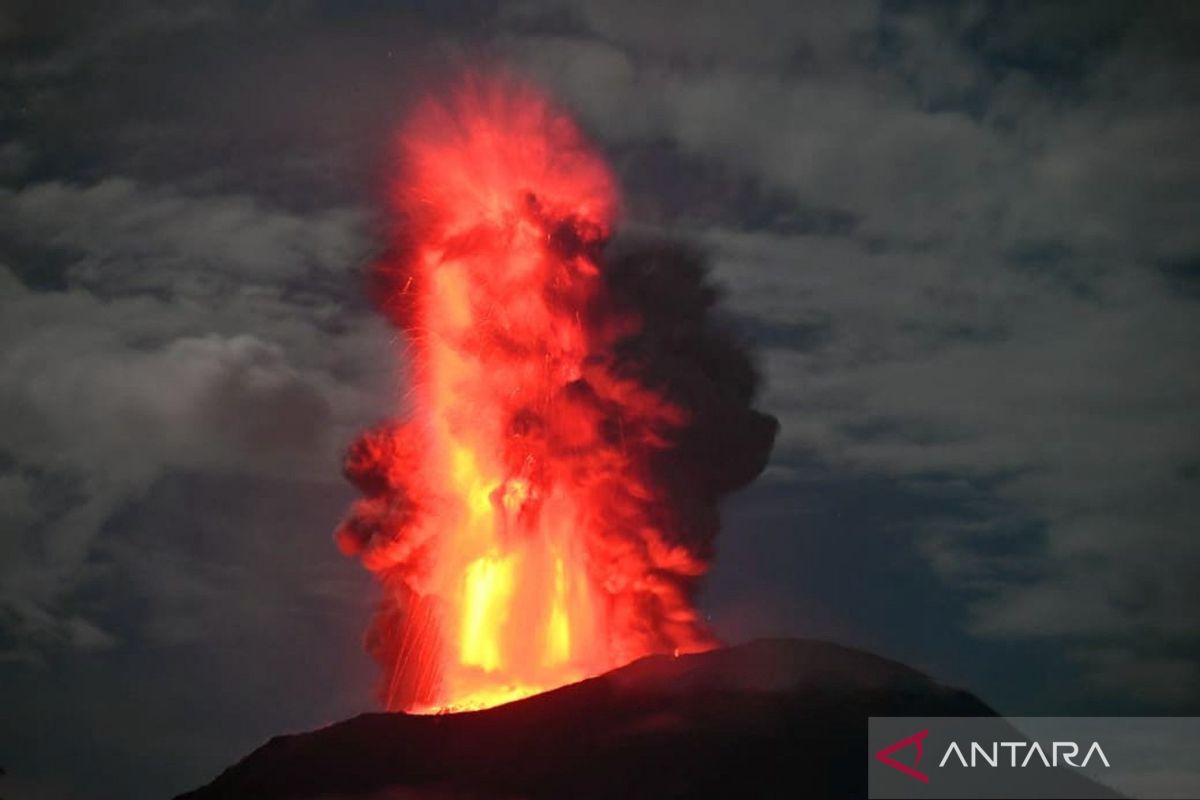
x=771, y=718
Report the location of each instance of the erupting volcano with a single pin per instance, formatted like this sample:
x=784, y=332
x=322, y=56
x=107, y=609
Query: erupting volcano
x=544, y=507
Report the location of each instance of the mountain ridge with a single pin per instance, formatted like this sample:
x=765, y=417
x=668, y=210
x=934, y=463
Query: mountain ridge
x=768, y=718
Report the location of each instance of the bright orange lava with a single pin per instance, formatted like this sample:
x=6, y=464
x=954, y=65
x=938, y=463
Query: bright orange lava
x=512, y=515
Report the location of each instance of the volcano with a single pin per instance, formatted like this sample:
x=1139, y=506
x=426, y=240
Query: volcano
x=772, y=718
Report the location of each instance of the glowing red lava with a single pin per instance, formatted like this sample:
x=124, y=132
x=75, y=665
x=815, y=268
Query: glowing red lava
x=513, y=515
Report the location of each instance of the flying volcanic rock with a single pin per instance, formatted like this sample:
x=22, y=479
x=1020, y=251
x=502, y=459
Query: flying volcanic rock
x=544, y=504
x=773, y=718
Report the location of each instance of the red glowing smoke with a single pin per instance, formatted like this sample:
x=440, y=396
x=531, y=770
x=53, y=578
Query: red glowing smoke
x=546, y=509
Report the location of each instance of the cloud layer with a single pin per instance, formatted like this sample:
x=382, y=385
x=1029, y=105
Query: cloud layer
x=977, y=278
x=962, y=236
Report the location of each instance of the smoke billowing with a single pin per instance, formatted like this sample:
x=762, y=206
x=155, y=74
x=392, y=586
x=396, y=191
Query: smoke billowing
x=549, y=507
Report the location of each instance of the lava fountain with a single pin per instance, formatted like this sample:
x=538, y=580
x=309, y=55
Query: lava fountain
x=545, y=506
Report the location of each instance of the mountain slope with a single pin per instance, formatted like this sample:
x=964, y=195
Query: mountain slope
x=772, y=718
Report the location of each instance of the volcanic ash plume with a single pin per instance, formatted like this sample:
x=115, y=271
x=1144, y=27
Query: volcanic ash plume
x=548, y=506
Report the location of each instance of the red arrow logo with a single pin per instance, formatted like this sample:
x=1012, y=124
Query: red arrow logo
x=885, y=755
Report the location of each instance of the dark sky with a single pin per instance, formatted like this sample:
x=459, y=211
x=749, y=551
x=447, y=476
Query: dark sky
x=964, y=237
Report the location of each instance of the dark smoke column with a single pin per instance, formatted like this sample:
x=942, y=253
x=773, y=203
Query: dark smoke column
x=547, y=510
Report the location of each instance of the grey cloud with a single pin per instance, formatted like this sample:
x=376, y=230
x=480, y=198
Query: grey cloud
x=1080, y=411
x=996, y=311
x=953, y=260
x=947, y=226
x=713, y=35
x=132, y=237
x=191, y=332
x=903, y=125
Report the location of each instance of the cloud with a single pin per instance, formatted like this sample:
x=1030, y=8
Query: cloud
x=992, y=321
x=777, y=33
x=181, y=333
x=130, y=237
x=955, y=230
x=1076, y=411
x=960, y=234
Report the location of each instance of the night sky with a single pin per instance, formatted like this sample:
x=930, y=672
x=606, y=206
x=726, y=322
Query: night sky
x=965, y=239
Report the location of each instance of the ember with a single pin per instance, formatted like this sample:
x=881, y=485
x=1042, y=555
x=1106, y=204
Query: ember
x=544, y=510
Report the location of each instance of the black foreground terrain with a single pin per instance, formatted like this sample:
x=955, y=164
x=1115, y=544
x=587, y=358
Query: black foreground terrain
x=772, y=718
